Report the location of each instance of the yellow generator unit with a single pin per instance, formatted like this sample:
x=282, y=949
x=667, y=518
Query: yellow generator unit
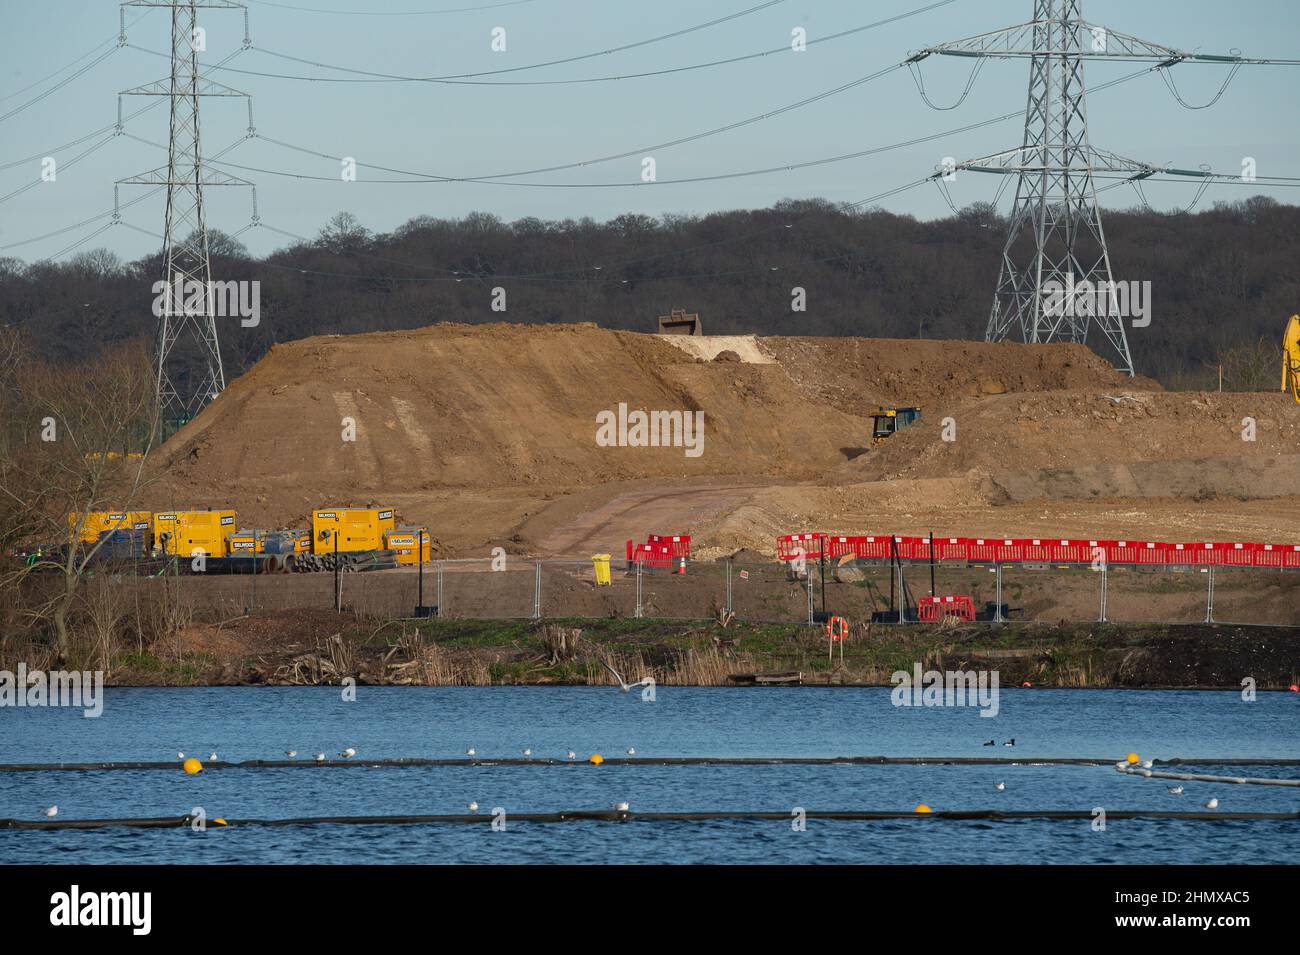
x=1291, y=357
x=354, y=528
x=406, y=542
x=97, y=522
x=186, y=533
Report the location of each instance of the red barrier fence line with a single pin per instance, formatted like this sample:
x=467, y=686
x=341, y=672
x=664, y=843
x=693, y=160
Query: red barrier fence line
x=1041, y=550
x=680, y=544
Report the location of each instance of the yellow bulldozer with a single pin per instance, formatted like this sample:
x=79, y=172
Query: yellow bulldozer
x=1291, y=357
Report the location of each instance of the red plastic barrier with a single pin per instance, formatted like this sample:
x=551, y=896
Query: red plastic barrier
x=930, y=609
x=680, y=544
x=1058, y=550
x=654, y=555
x=795, y=545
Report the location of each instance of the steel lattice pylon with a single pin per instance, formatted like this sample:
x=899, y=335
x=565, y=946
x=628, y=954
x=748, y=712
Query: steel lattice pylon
x=1055, y=233
x=1056, y=203
x=188, y=316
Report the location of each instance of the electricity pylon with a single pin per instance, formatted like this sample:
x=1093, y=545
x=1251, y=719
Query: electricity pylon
x=187, y=312
x=1055, y=239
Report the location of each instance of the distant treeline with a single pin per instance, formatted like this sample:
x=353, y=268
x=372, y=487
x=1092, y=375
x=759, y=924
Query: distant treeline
x=1223, y=280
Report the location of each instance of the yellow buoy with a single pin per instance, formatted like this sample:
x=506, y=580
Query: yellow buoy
x=220, y=822
x=1132, y=758
x=192, y=766
x=924, y=808
x=596, y=759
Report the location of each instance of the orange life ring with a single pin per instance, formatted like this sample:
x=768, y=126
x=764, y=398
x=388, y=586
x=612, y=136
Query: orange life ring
x=834, y=632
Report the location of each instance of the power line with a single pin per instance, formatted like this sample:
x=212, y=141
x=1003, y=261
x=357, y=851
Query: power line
x=392, y=13
x=375, y=77
x=556, y=62
x=61, y=84
x=787, y=167
x=694, y=137
x=117, y=39
x=496, y=179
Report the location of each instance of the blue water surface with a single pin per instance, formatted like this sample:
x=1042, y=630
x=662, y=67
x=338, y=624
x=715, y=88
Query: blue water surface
x=250, y=723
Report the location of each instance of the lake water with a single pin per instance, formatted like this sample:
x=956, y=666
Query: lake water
x=252, y=723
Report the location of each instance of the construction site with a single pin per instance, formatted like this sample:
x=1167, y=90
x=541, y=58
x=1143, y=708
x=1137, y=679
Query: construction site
x=887, y=482
x=568, y=467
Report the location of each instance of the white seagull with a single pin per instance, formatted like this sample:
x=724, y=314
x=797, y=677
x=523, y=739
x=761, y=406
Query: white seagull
x=473, y=806
x=320, y=757
x=291, y=753
x=470, y=751
x=621, y=806
x=51, y=812
x=622, y=683
x=1147, y=764
x=348, y=753
x=1176, y=790
x=1212, y=804
x=180, y=755
x=528, y=753
x=571, y=755
x=1000, y=786
x=212, y=757
x=631, y=750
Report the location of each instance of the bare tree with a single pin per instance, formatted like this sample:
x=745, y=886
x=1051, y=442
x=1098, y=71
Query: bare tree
x=78, y=441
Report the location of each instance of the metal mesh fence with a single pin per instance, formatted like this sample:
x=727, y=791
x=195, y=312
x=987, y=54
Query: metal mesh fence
x=770, y=592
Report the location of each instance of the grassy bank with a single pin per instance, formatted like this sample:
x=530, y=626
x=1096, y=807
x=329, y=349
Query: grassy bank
x=319, y=647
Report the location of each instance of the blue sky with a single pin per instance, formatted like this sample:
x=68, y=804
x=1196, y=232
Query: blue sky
x=476, y=130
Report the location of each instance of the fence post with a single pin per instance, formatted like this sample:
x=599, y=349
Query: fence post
x=1104, y=588
x=1209, y=598
x=537, y=591
x=807, y=576
x=440, y=612
x=902, y=596
x=637, y=613
x=997, y=606
x=728, y=585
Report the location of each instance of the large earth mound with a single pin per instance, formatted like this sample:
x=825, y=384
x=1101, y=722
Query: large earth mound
x=489, y=432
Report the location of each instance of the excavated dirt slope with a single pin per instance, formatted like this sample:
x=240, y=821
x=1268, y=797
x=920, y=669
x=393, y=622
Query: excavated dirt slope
x=489, y=433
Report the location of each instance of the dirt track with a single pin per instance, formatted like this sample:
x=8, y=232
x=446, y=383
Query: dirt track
x=488, y=434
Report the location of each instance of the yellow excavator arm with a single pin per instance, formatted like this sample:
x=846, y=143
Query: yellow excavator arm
x=1291, y=357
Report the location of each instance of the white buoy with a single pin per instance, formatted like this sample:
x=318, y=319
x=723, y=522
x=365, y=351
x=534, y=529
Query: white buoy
x=180, y=755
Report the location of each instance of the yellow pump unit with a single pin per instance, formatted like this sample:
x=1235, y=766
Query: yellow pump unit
x=405, y=541
x=355, y=528
x=97, y=522
x=1291, y=357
